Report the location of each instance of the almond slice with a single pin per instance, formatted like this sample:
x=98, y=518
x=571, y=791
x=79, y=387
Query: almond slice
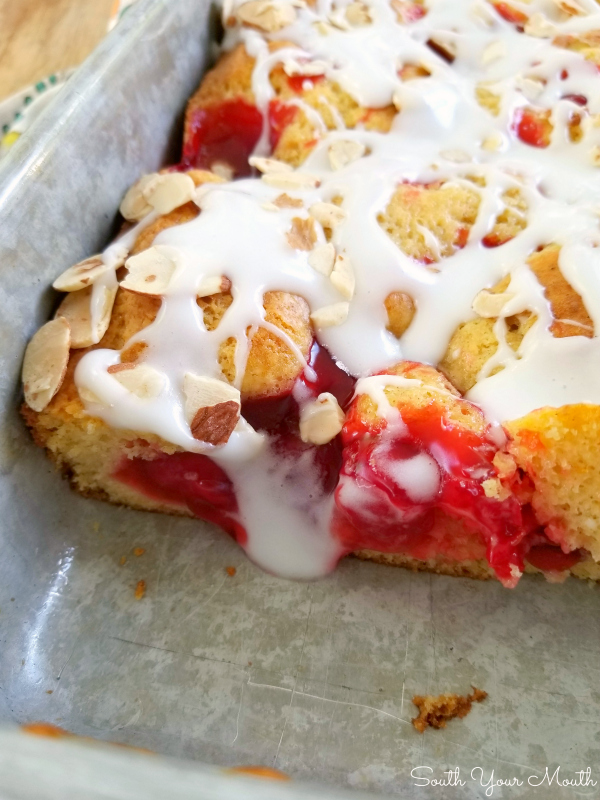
x=358, y=14
x=539, y=26
x=302, y=235
x=294, y=68
x=285, y=201
x=493, y=51
x=489, y=304
x=169, y=191
x=266, y=16
x=329, y=316
x=212, y=284
x=344, y=151
x=342, y=277
x=149, y=272
x=81, y=275
x=212, y=408
x=291, y=180
x=269, y=165
x=327, y=214
x=45, y=363
x=134, y=205
x=322, y=259
x=141, y=380
x=76, y=308
x=321, y=420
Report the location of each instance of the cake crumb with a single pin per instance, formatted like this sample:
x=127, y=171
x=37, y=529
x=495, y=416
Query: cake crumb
x=139, y=551
x=435, y=711
x=140, y=590
x=123, y=560
x=230, y=571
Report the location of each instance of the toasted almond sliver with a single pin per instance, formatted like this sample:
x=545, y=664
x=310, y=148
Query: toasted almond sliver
x=294, y=68
x=322, y=259
x=134, y=205
x=342, y=277
x=76, y=308
x=285, y=201
x=493, y=51
x=149, y=272
x=538, y=25
x=492, y=142
x=140, y=379
x=291, y=180
x=358, y=14
x=269, y=17
x=344, y=151
x=169, y=191
x=321, y=420
x=302, y=235
x=209, y=285
x=81, y=275
x=212, y=408
x=269, y=165
x=329, y=316
x=327, y=214
x=488, y=304
x=45, y=363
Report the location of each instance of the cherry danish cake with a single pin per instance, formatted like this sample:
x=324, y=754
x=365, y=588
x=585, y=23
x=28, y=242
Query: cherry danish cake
x=360, y=315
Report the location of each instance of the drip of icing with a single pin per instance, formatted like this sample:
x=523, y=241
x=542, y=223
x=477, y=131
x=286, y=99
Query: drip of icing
x=235, y=235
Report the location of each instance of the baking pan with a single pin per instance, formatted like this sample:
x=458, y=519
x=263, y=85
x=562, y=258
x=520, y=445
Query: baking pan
x=315, y=679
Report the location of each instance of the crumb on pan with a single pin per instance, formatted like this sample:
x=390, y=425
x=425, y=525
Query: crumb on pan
x=434, y=712
x=140, y=590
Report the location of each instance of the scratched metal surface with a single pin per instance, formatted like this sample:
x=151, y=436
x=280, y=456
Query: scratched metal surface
x=313, y=678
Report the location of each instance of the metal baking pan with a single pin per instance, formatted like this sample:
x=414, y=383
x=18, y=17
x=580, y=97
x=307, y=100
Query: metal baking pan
x=315, y=679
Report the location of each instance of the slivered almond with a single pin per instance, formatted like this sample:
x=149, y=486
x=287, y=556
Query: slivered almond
x=321, y=420
x=150, y=271
x=212, y=408
x=81, y=275
x=302, y=235
x=141, y=380
x=327, y=214
x=291, y=180
x=266, y=16
x=329, y=316
x=211, y=284
x=45, y=363
x=344, y=151
x=489, y=304
x=358, y=14
x=222, y=170
x=76, y=308
x=285, y=201
x=322, y=259
x=134, y=205
x=537, y=25
x=269, y=165
x=322, y=28
x=169, y=191
x=492, y=142
x=293, y=68
x=342, y=277
x=493, y=51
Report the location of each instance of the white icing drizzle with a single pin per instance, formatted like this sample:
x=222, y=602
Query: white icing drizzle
x=437, y=136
